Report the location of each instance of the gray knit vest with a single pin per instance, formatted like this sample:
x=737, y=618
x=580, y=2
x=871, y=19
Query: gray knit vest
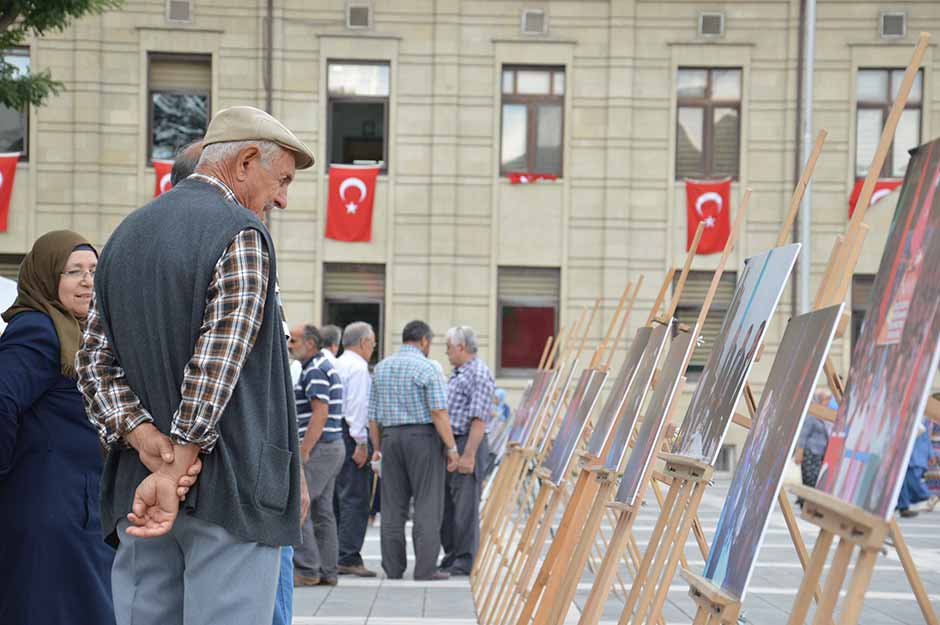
x=150, y=289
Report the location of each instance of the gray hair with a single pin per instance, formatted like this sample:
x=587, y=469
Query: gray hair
x=221, y=152
x=330, y=335
x=355, y=332
x=463, y=335
x=312, y=334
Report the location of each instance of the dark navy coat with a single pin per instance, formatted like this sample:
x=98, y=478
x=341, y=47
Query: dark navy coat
x=54, y=565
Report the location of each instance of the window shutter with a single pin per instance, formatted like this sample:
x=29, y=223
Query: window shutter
x=183, y=73
x=529, y=283
x=690, y=304
x=10, y=265
x=358, y=281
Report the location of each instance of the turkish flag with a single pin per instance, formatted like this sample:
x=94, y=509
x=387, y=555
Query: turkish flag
x=8, y=163
x=521, y=177
x=882, y=188
x=349, y=208
x=708, y=202
x=162, y=172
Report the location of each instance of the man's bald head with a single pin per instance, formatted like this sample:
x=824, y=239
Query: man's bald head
x=185, y=163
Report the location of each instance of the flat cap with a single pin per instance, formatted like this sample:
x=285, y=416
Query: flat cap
x=246, y=123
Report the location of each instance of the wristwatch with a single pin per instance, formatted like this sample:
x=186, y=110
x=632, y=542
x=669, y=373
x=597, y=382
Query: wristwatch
x=453, y=450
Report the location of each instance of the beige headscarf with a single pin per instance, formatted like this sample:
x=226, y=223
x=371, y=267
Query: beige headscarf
x=38, y=289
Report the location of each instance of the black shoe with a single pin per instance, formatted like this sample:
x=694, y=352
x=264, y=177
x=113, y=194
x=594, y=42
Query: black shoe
x=907, y=513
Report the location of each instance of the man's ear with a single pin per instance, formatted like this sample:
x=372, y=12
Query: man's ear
x=243, y=163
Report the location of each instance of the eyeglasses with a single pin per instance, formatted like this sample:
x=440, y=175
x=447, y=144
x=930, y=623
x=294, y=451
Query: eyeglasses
x=78, y=274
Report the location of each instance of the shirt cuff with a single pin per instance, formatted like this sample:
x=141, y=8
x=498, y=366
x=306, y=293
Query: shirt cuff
x=126, y=425
x=206, y=442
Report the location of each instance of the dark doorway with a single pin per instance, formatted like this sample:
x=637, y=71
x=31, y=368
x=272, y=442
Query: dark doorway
x=344, y=312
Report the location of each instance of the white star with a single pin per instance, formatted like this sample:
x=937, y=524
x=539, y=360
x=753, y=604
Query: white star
x=351, y=208
x=709, y=222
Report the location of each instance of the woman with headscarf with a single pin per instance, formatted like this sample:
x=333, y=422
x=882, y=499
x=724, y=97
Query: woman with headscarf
x=54, y=564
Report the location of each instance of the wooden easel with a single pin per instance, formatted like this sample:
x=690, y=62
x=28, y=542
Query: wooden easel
x=580, y=524
x=550, y=494
x=688, y=481
x=501, y=511
x=499, y=556
x=854, y=526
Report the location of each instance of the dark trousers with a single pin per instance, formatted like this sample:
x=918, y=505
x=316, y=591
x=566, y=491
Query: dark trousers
x=351, y=502
x=460, y=530
x=913, y=489
x=413, y=466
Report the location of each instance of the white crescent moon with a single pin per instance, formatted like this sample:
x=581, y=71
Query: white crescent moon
x=353, y=182
x=1, y=180
x=165, y=182
x=710, y=196
x=877, y=195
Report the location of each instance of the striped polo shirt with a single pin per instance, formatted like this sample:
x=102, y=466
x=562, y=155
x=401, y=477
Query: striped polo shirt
x=320, y=380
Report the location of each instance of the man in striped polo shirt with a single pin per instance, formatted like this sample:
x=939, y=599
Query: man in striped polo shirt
x=319, y=396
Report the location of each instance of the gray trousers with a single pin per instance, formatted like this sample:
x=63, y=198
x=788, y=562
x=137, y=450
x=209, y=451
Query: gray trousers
x=460, y=529
x=317, y=556
x=197, y=574
x=413, y=466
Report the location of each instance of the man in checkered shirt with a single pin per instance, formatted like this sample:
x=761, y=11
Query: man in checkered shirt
x=470, y=406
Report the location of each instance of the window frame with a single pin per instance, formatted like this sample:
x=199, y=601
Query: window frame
x=525, y=302
x=885, y=107
x=708, y=104
x=531, y=102
x=23, y=51
x=694, y=371
x=181, y=57
x=360, y=99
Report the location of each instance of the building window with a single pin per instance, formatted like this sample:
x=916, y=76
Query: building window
x=528, y=314
x=533, y=120
x=690, y=306
x=861, y=299
x=355, y=292
x=180, y=86
x=358, y=113
x=14, y=124
x=708, y=123
x=875, y=91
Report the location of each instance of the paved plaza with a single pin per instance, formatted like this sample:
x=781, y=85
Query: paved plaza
x=773, y=585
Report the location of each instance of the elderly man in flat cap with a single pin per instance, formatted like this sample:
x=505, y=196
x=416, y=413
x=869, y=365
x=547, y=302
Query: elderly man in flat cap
x=184, y=357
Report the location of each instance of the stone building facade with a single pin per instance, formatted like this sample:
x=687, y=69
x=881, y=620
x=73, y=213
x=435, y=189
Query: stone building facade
x=618, y=98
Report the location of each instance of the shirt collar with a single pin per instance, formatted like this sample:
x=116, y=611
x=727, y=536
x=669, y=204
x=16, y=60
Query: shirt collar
x=465, y=366
x=411, y=349
x=328, y=355
x=218, y=184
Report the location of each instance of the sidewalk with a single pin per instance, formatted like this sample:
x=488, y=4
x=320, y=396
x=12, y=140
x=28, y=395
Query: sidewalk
x=377, y=601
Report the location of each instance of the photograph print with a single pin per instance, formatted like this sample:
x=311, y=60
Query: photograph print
x=752, y=307
x=644, y=449
x=618, y=394
x=895, y=356
x=644, y=377
x=530, y=405
x=572, y=426
x=770, y=443
x=559, y=405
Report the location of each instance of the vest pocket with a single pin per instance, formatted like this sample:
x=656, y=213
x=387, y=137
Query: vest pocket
x=273, y=487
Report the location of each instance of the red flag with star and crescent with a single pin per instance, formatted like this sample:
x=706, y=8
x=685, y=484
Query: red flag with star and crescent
x=163, y=171
x=349, y=208
x=8, y=164
x=883, y=187
x=708, y=202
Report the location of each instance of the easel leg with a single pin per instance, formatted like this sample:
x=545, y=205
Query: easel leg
x=796, y=538
x=594, y=607
x=840, y=564
x=913, y=577
x=855, y=595
x=646, y=579
x=703, y=545
x=678, y=548
x=811, y=579
x=701, y=617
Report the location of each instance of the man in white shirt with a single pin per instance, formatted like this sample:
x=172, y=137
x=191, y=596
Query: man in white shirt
x=330, y=335
x=353, y=487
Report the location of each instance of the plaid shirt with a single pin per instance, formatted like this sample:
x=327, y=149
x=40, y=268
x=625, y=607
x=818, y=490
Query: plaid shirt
x=406, y=388
x=234, y=310
x=470, y=393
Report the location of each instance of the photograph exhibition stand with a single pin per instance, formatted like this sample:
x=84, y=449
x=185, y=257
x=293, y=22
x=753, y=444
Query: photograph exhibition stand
x=853, y=526
x=554, y=587
x=517, y=568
